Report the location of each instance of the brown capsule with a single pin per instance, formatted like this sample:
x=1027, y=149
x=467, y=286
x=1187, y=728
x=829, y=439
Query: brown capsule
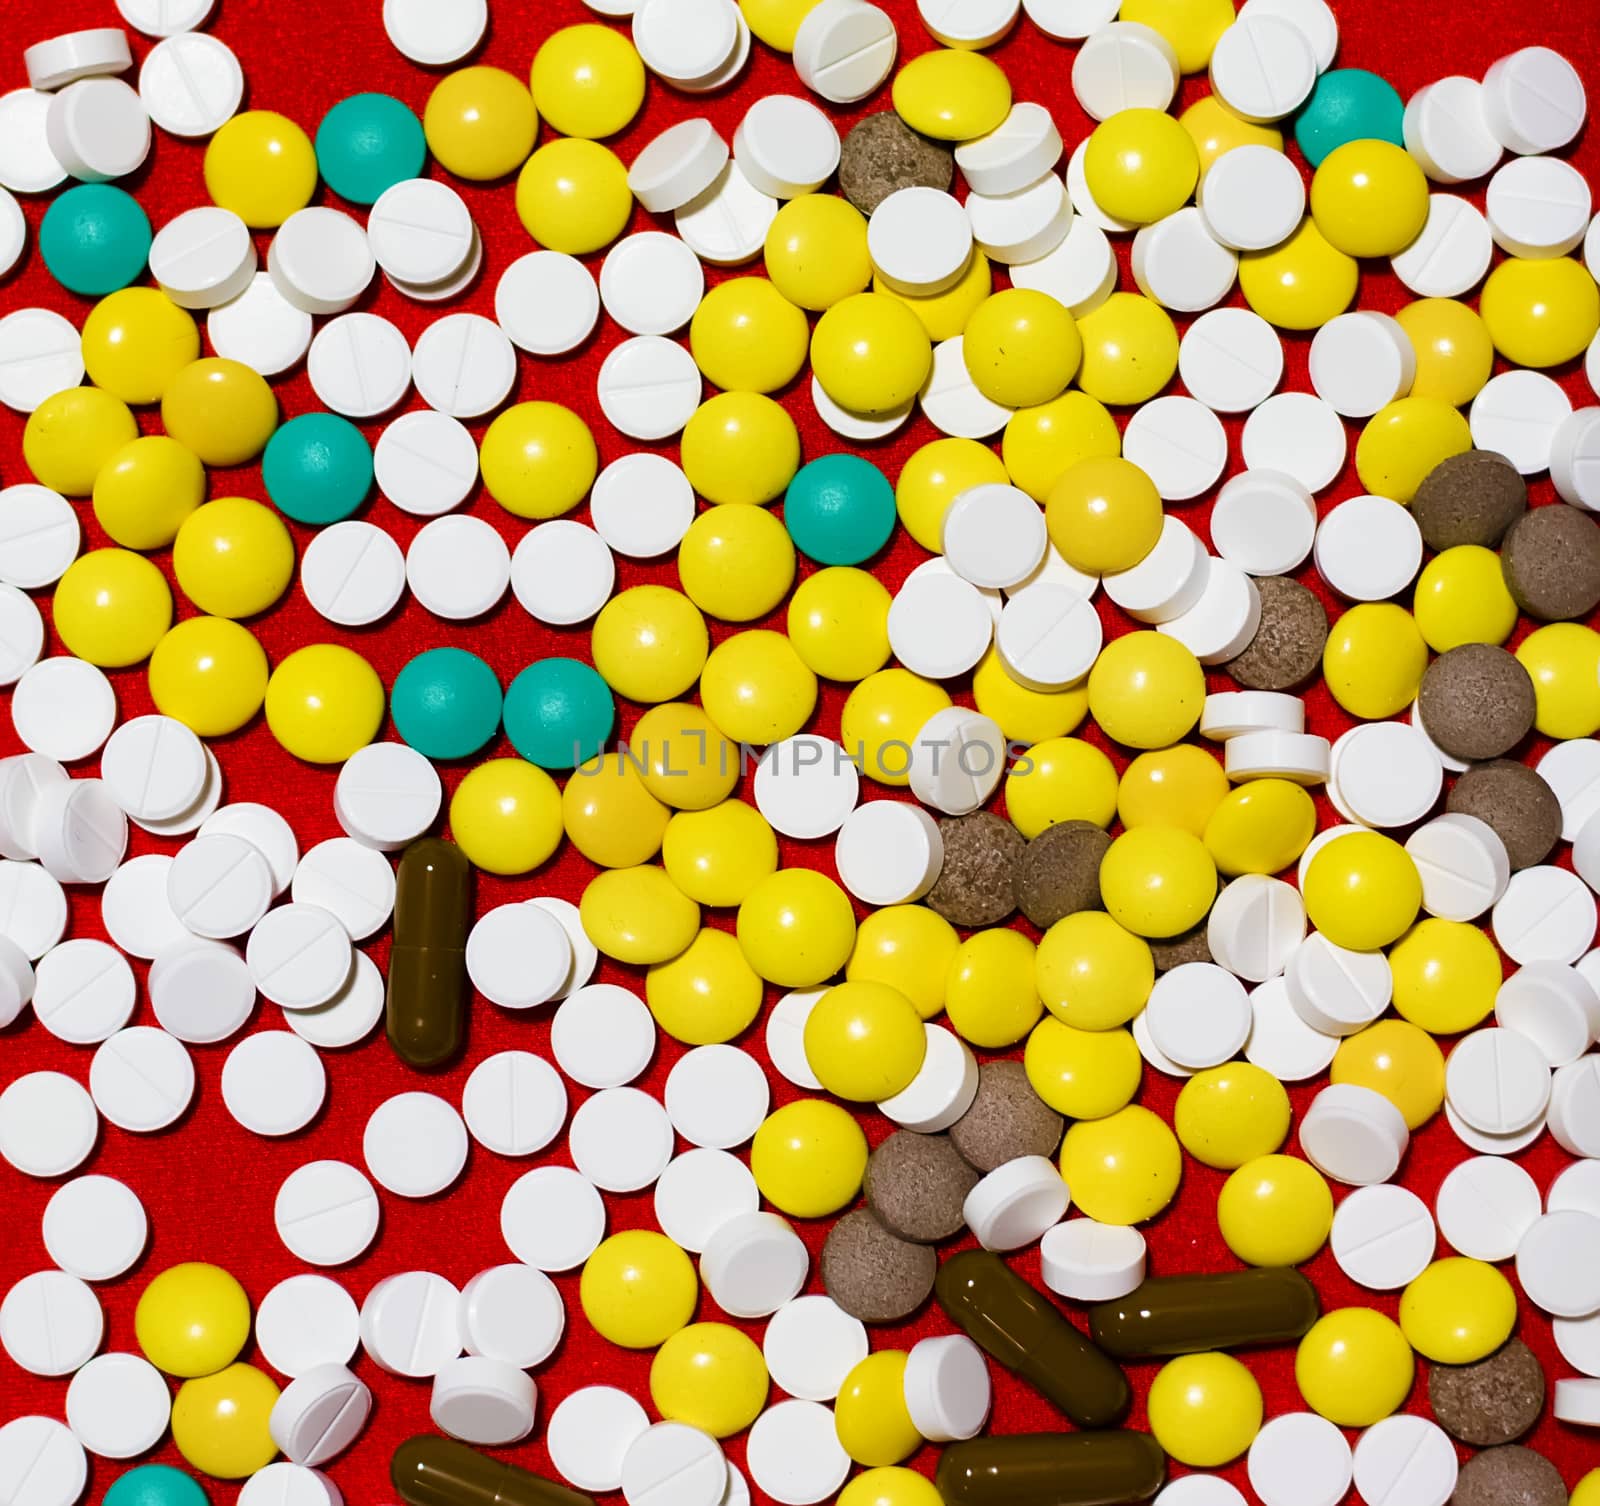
x=1052, y=1469
x=1022, y=1329
x=427, y=964
x=1189, y=1314
x=429, y=1471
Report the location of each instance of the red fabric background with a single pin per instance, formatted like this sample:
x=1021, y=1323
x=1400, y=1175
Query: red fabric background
x=207, y=1184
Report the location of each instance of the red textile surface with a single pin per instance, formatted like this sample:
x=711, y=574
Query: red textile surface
x=207, y=1184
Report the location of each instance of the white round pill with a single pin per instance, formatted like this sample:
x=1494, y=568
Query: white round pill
x=141, y=1079
x=134, y=908
x=716, y=1096
x=191, y=84
x=260, y=328
x=50, y=1324
x=359, y=365
x=458, y=567
x=794, y=1455
x=589, y=1434
x=83, y=991
x=95, y=1227
x=273, y=1083
x=426, y=463
x=48, y=1124
x=1382, y=1237
x=415, y=1144
x=353, y=573
x=698, y=1192
x=326, y=1213
x=1497, y=1081
x=410, y=1324
x=1368, y=548
x=1354, y=1135
x=118, y=1406
x=552, y=1218
x=1558, y=1264
x=512, y=1313
x=518, y=956
x=1485, y=1205
x=305, y=1322
x=1452, y=251
x=204, y=991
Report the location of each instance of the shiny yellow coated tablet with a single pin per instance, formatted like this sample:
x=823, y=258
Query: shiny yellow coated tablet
x=1540, y=313
x=776, y=21
x=1563, y=661
x=1399, y=1060
x=324, y=702
x=146, y=489
x=222, y=410
x=1147, y=690
x=808, y=1158
x=756, y=688
x=112, y=607
x=705, y=995
x=880, y=718
x=945, y=315
x=1158, y=880
x=1130, y=350
x=1061, y=779
x=1122, y=1169
x=638, y=1289
x=192, y=1319
x=1275, y=1210
x=1191, y=27
x=1229, y=1115
x=1455, y=355
x=711, y=1376
x=1141, y=165
x=1374, y=660
x=681, y=756
x=870, y=1413
x=538, y=460
x=864, y=1041
x=506, y=816
x=220, y=1422
x=747, y=337
x=816, y=251
x=72, y=434
x=1461, y=597
x=1261, y=826
x=210, y=674
x=1040, y=445
x=1354, y=1367
x=135, y=341
x=934, y=476
x=649, y=643
x=894, y=1486
x=910, y=948
x=990, y=993
x=718, y=856
x=1215, y=129
x=1179, y=786
x=480, y=123
x=796, y=927
x=870, y=353
x=1404, y=441
x=1369, y=198
x=573, y=196
x=740, y=447
x=1458, y=1311
x=951, y=94
x=1362, y=891
x=1082, y=1074
x=1446, y=975
x=638, y=915
x=609, y=810
x=1104, y=516
x=1021, y=348
x=1092, y=973
x=262, y=166
x=1301, y=284
x=587, y=81
x=838, y=622
x=1205, y=1409
x=233, y=557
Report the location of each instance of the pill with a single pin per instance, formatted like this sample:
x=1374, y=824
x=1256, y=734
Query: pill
x=1068, y=1469
x=1059, y=872
x=947, y=1388
x=977, y=882
x=51, y=1324
x=1385, y=774
x=410, y=1324
x=118, y=1405
x=1263, y=68
x=726, y=222
x=458, y=567
x=1189, y=1314
x=1485, y=1205
x=203, y=257
x=844, y=49
x=754, y=1264
x=326, y=1213
x=673, y=1464
x=83, y=991
x=1517, y=414
x=1015, y=1203
x=1179, y=444
x=319, y=1414
x=621, y=1139
x=872, y=1274
x=1005, y=1119
x=1020, y=1328
x=41, y=535
x=1081, y=273
x=1382, y=1237
x=21, y=634
x=1223, y=620
x=1511, y=1472
x=1405, y=1459
x=1575, y=1106
x=98, y=129
x=1551, y=558
x=1124, y=66
x=1368, y=548
x=1294, y=1449
x=943, y=1089
x=60, y=60
x=482, y=1400
x=427, y=966
x=1533, y=100
x=191, y=84
x=1354, y=1135
x=273, y=1083
x=1451, y=253
x=1447, y=131
x=1020, y=150
x=786, y=146
x=80, y=832
x=915, y=1186
x=1280, y=1042
x=888, y=853
x=1181, y=264
x=1023, y=225
x=435, y=35
x=414, y=1144
x=259, y=328
x=1167, y=581
x=304, y=1322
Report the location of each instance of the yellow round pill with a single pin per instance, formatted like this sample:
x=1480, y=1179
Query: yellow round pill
x=711, y=1376
x=1229, y=1115
x=870, y=353
x=1260, y=827
x=777, y=21
x=1130, y=350
x=210, y=674
x=1374, y=659
x=506, y=816
x=1021, y=348
x=1362, y=891
x=1301, y=284
x=1446, y=975
x=865, y=1041
x=1061, y=779
x=796, y=927
x=1191, y=27
x=990, y=994
x=1354, y=1367
x=718, y=856
x=945, y=315
x=1124, y=1168
x=893, y=1486
x=747, y=337
x=935, y=475
x=1458, y=1311
x=262, y=166
x=951, y=94
x=740, y=447
x=135, y=341
x=538, y=460
x=573, y=196
x=680, y=757
x=1082, y=1074
x=587, y=81
x=112, y=607
x=1141, y=165
x=1563, y=661
x=220, y=1422
x=816, y=251
x=192, y=1319
x=1455, y=355
x=649, y=643
x=638, y=915
x=880, y=718
x=838, y=622
x=910, y=948
x=1104, y=515
x=808, y=1158
x=705, y=995
x=146, y=489
x=1147, y=690
x=480, y=123
x=1369, y=198
x=870, y=1413
x=1215, y=129
x=222, y=410
x=1040, y=445
x=1092, y=973
x=72, y=434
x=1585, y=1493
x=1158, y=880
x=1404, y=441
x=1461, y=597
x=1275, y=1210
x=233, y=557
x=638, y=1289
x=324, y=702
x=756, y=688
x=1540, y=313
x=1204, y=1409
x=1180, y=786
x=1399, y=1060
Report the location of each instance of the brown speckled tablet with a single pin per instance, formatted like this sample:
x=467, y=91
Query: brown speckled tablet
x=1470, y=498
x=1287, y=648
x=1516, y=802
x=1007, y=1119
x=1168, y=952
x=882, y=154
x=1476, y=701
x=977, y=884
x=1509, y=1476
x=872, y=1275
x=1551, y=559
x=1494, y=1401
x=1060, y=872
x=916, y=1185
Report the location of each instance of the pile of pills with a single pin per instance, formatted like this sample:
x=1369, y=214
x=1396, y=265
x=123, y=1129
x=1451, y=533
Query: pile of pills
x=918, y=931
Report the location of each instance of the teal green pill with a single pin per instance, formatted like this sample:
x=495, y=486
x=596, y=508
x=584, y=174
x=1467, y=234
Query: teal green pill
x=317, y=468
x=446, y=703
x=154, y=1485
x=95, y=239
x=839, y=510
x=367, y=143
x=1348, y=104
x=559, y=713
